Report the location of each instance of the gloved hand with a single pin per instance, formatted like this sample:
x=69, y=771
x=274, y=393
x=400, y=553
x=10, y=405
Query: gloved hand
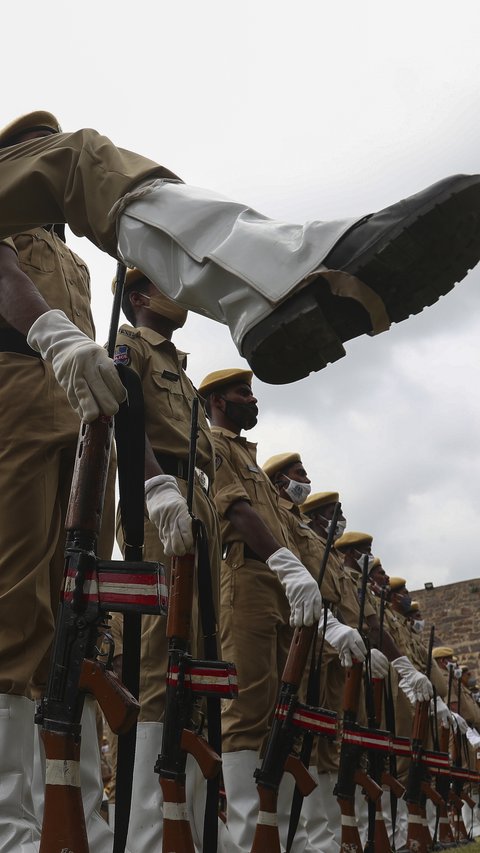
x=459, y=723
x=414, y=684
x=167, y=510
x=444, y=714
x=378, y=664
x=81, y=366
x=347, y=641
x=473, y=737
x=300, y=588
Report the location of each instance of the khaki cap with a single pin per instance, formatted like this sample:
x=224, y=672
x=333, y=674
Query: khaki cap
x=224, y=377
x=319, y=499
x=443, y=652
x=376, y=563
x=131, y=277
x=352, y=540
x=397, y=583
x=415, y=605
x=29, y=121
x=280, y=461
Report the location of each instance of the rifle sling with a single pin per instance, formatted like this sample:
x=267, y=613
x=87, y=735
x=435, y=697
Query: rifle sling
x=130, y=442
x=209, y=630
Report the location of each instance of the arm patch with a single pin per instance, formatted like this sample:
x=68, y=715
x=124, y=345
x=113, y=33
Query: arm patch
x=122, y=354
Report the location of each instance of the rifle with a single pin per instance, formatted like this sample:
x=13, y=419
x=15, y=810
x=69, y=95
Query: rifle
x=418, y=787
x=291, y=718
x=457, y=796
x=313, y=686
x=350, y=773
x=91, y=589
x=377, y=839
x=187, y=679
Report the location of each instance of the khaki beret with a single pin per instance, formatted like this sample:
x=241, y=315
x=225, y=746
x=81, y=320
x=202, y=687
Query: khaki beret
x=397, y=583
x=415, y=605
x=31, y=121
x=131, y=277
x=218, y=378
x=319, y=499
x=280, y=461
x=353, y=539
x=443, y=652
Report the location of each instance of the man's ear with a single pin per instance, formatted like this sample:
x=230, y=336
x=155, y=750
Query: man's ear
x=218, y=401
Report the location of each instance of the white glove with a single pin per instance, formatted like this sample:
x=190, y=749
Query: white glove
x=347, y=641
x=81, y=366
x=459, y=723
x=300, y=588
x=473, y=737
x=378, y=663
x=167, y=510
x=414, y=684
x=444, y=714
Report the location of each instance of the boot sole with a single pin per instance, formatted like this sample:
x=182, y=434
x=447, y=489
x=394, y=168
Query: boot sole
x=410, y=266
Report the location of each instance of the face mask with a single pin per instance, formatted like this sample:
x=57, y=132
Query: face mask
x=297, y=492
x=243, y=415
x=340, y=527
x=360, y=561
x=405, y=603
x=164, y=306
x=418, y=625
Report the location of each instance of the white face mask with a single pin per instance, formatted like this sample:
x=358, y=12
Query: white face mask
x=340, y=527
x=360, y=561
x=297, y=492
x=418, y=625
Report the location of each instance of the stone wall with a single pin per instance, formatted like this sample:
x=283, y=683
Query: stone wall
x=454, y=609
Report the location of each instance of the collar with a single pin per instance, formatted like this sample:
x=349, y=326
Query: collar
x=157, y=340
x=218, y=430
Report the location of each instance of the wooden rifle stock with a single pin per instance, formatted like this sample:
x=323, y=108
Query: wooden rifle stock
x=278, y=758
x=445, y=834
x=417, y=840
x=178, y=737
x=349, y=772
x=75, y=637
x=119, y=706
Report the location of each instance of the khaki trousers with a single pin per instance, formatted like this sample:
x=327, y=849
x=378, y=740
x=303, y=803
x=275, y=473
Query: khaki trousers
x=38, y=438
x=256, y=635
x=154, y=651
x=70, y=177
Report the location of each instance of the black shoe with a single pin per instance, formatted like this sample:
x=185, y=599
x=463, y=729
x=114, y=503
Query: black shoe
x=410, y=254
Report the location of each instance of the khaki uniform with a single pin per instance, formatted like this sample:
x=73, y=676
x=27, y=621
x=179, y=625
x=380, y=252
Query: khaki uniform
x=70, y=177
x=168, y=395
x=39, y=433
x=333, y=674
x=254, y=611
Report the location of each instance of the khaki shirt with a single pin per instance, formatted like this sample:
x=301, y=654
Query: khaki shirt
x=310, y=548
x=168, y=395
x=349, y=607
x=59, y=274
x=238, y=477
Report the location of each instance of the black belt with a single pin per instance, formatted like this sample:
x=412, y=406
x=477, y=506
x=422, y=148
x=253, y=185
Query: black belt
x=172, y=465
x=13, y=341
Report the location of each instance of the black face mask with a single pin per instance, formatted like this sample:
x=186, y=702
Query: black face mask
x=406, y=603
x=243, y=415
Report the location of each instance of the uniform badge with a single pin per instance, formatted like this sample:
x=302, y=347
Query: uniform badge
x=218, y=461
x=122, y=354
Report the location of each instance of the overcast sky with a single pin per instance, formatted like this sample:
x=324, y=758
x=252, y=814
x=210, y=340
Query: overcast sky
x=305, y=110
